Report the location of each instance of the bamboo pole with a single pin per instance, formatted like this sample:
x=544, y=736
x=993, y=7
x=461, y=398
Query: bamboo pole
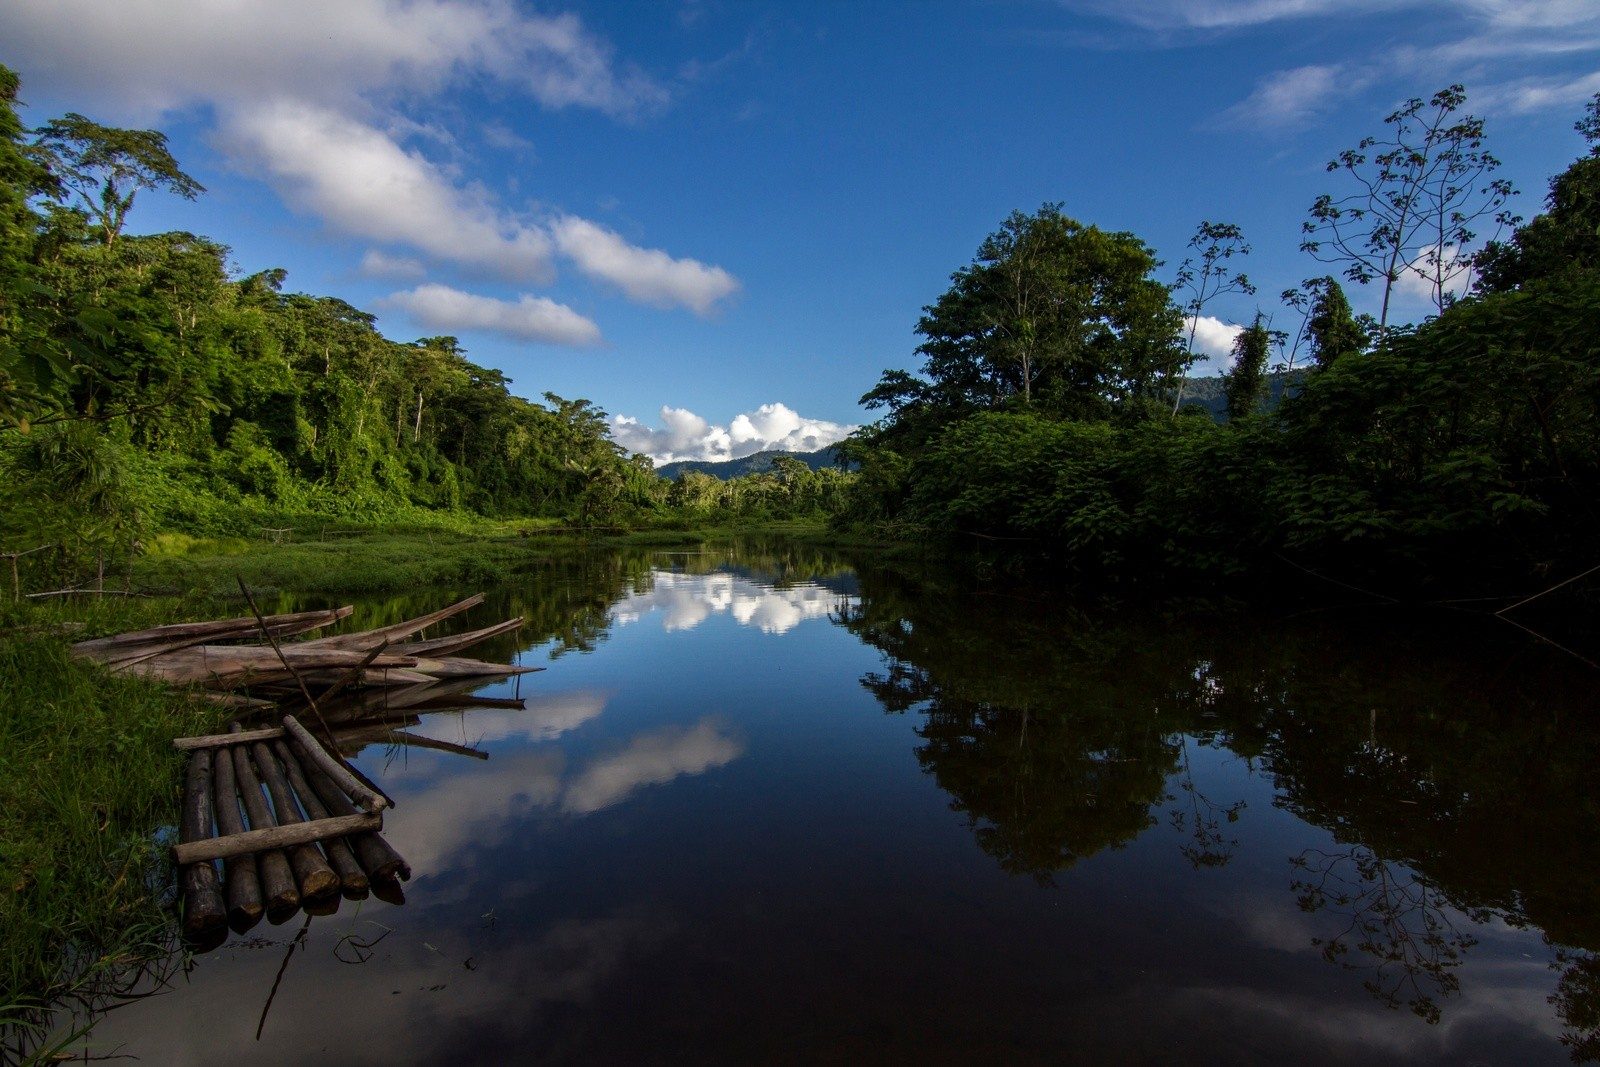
x=240, y=875
x=204, y=914
x=378, y=858
x=352, y=879
x=277, y=879
x=316, y=878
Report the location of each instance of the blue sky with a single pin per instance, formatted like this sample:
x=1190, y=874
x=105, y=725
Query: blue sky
x=718, y=219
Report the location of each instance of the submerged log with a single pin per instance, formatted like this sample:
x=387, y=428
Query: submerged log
x=204, y=914
x=352, y=879
x=400, y=737
x=277, y=879
x=316, y=878
x=240, y=875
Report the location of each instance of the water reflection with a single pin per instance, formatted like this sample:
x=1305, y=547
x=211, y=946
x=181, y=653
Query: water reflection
x=1076, y=834
x=1448, y=770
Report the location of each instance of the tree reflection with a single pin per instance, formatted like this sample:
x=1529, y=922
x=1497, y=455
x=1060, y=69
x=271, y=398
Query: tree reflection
x=1400, y=926
x=1453, y=772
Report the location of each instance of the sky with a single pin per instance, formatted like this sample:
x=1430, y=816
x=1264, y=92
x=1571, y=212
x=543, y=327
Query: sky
x=719, y=219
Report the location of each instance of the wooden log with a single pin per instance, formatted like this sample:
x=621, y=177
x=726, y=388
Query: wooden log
x=352, y=879
x=367, y=638
x=203, y=910
x=443, y=646
x=236, y=665
x=277, y=878
x=459, y=667
x=233, y=701
x=240, y=876
x=338, y=772
x=217, y=740
x=220, y=629
x=316, y=878
x=377, y=857
x=277, y=837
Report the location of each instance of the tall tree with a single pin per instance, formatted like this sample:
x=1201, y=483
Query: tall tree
x=107, y=167
x=1331, y=328
x=1247, y=378
x=1419, y=193
x=1207, y=275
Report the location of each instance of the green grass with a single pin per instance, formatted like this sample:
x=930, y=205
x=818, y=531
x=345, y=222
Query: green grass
x=88, y=778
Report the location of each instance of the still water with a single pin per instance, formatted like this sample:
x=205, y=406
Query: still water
x=765, y=804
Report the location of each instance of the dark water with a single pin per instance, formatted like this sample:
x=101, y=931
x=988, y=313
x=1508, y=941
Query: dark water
x=767, y=806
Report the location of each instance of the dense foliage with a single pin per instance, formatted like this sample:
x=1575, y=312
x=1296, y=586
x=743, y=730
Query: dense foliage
x=1464, y=450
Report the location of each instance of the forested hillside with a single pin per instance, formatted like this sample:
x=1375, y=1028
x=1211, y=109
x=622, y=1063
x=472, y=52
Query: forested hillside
x=755, y=463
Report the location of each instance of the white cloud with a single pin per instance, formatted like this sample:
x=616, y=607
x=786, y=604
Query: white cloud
x=648, y=275
x=650, y=759
x=360, y=181
x=684, y=601
x=529, y=318
x=1213, y=342
x=542, y=718
x=1420, y=280
x=150, y=56
x=1526, y=95
x=377, y=264
x=686, y=435
x=1288, y=97
x=1223, y=14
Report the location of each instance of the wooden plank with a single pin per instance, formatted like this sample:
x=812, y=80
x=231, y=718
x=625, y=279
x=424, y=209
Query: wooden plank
x=275, y=837
x=216, y=740
x=244, y=626
x=443, y=646
x=368, y=638
x=341, y=776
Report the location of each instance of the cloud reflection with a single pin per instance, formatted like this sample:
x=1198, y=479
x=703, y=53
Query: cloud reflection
x=687, y=600
x=651, y=759
x=541, y=718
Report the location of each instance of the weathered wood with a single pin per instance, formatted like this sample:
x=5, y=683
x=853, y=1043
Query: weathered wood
x=458, y=667
x=328, y=765
x=277, y=879
x=219, y=629
x=316, y=878
x=443, y=646
x=217, y=740
x=233, y=701
x=258, y=841
x=368, y=638
x=203, y=910
x=240, y=876
x=352, y=879
x=237, y=664
x=377, y=857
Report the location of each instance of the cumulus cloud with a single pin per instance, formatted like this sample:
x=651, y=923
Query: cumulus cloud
x=360, y=181
x=684, y=601
x=648, y=275
x=150, y=56
x=376, y=264
x=685, y=435
x=528, y=318
x=1213, y=342
x=1420, y=280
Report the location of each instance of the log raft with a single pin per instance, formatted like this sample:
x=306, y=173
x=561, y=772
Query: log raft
x=292, y=823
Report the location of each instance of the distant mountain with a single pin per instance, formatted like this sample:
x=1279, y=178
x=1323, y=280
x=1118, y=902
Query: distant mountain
x=755, y=463
x=1208, y=393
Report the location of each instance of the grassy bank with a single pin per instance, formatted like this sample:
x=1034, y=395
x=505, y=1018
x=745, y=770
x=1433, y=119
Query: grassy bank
x=88, y=778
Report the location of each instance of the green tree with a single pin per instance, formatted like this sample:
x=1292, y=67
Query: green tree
x=1331, y=328
x=107, y=167
x=1206, y=276
x=1418, y=194
x=1247, y=378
